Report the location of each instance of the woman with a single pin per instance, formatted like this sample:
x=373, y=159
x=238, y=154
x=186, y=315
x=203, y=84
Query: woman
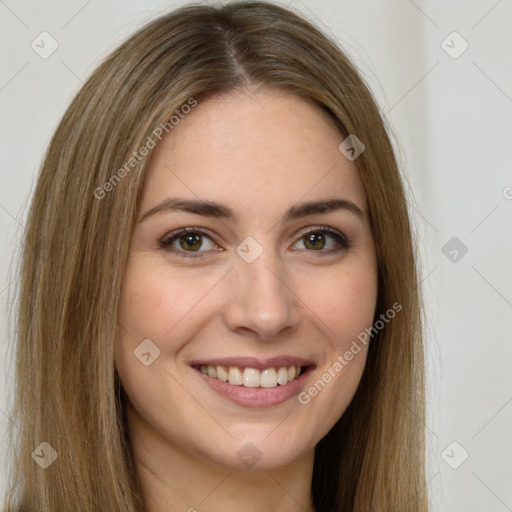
x=219, y=301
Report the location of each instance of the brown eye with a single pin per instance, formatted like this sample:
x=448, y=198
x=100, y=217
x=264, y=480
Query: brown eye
x=318, y=239
x=314, y=241
x=192, y=241
x=187, y=241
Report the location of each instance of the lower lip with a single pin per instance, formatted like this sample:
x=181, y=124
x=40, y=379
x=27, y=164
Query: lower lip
x=256, y=397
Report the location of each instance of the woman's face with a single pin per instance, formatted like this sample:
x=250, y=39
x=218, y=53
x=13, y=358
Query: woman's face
x=253, y=289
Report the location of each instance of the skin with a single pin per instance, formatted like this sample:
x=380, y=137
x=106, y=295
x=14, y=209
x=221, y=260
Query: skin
x=258, y=152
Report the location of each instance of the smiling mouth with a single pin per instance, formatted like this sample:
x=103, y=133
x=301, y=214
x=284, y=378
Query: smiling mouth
x=248, y=377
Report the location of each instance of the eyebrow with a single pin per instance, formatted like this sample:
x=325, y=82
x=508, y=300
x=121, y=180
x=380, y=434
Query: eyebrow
x=220, y=211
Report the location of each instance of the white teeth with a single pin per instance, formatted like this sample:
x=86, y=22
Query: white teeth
x=269, y=378
x=282, y=375
x=252, y=377
x=235, y=376
x=222, y=374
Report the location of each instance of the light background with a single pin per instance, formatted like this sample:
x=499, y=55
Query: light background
x=452, y=118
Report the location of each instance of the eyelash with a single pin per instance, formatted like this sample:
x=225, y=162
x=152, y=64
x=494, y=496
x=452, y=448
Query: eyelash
x=165, y=243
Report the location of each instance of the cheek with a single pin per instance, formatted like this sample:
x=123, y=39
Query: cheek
x=344, y=302
x=149, y=310
x=163, y=306
x=346, y=306
x=155, y=300
x=155, y=304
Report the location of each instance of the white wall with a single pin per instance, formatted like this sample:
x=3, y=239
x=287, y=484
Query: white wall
x=452, y=117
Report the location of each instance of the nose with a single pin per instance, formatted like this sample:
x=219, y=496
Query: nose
x=261, y=298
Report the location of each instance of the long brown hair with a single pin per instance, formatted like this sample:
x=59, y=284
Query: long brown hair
x=76, y=245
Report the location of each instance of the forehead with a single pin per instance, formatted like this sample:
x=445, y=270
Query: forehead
x=256, y=151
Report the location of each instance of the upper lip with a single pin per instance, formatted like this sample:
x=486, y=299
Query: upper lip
x=252, y=362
